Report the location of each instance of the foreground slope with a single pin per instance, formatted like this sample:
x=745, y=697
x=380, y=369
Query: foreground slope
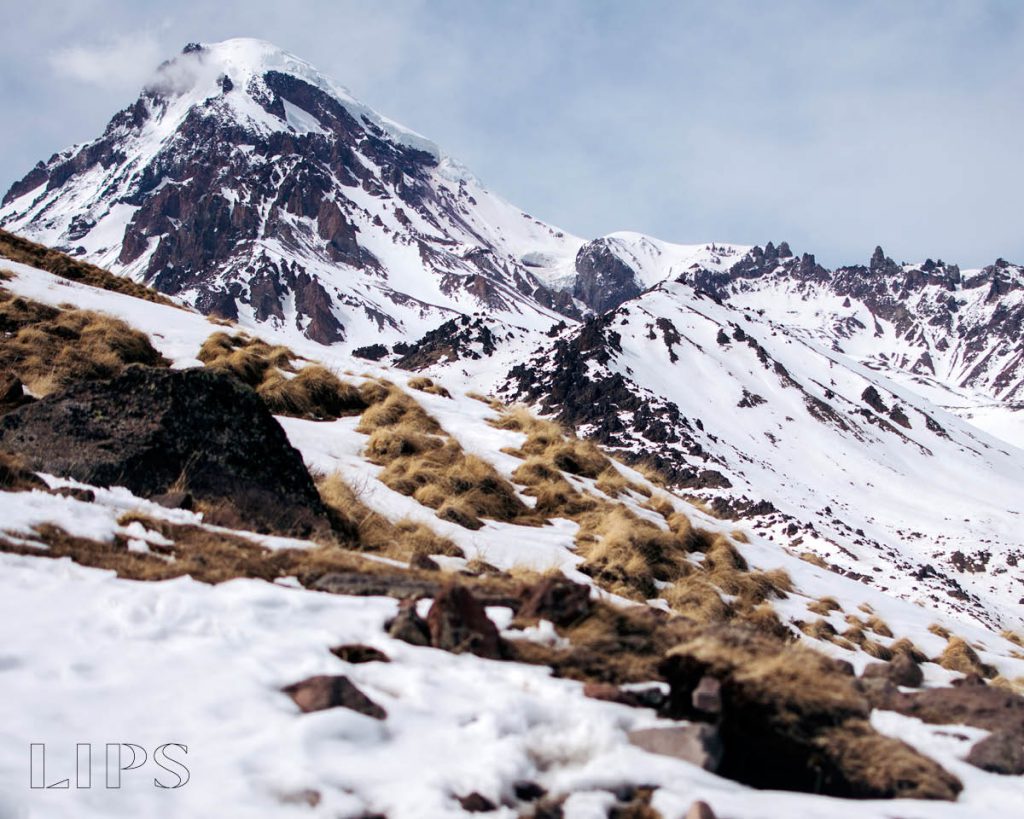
x=182, y=660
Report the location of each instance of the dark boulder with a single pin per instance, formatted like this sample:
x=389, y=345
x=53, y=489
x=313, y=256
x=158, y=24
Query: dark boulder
x=790, y=719
x=458, y=622
x=323, y=691
x=157, y=430
x=1001, y=752
x=557, y=599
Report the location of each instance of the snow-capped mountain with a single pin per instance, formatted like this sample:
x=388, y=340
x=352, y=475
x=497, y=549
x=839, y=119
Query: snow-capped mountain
x=828, y=406
x=244, y=182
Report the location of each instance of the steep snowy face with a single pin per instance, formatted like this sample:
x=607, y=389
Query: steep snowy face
x=771, y=425
x=247, y=184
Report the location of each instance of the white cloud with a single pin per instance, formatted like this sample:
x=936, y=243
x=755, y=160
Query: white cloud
x=119, y=64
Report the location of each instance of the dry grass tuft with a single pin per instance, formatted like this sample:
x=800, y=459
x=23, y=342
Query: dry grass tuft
x=548, y=440
x=14, y=477
x=48, y=348
x=629, y=553
x=424, y=384
x=420, y=460
x=314, y=392
x=403, y=539
x=906, y=646
x=939, y=631
x=60, y=264
x=824, y=605
x=814, y=560
x=1013, y=637
x=959, y=656
x=879, y=626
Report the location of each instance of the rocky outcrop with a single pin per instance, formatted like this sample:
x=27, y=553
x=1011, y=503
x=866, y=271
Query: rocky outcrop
x=153, y=430
x=603, y=280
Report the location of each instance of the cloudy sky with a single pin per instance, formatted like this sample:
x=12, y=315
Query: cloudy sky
x=834, y=125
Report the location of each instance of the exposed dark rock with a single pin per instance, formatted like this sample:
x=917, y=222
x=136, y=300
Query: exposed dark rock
x=603, y=280
x=697, y=743
x=791, y=720
x=527, y=791
x=873, y=399
x=1001, y=752
x=358, y=653
x=372, y=352
x=652, y=697
x=476, y=803
x=458, y=623
x=408, y=626
x=323, y=691
x=557, y=599
x=154, y=430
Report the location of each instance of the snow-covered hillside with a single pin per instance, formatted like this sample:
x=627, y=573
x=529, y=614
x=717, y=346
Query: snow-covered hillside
x=97, y=658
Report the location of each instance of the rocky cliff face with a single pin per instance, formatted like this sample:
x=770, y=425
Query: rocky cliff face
x=247, y=184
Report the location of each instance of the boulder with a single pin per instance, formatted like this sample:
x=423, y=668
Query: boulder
x=476, y=803
x=408, y=626
x=359, y=653
x=458, y=623
x=155, y=431
x=1001, y=752
x=901, y=670
x=557, y=599
x=699, y=809
x=325, y=691
x=696, y=743
x=790, y=719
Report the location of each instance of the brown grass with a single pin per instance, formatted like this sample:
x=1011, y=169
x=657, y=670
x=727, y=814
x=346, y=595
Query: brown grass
x=959, y=656
x=627, y=553
x=879, y=626
x=402, y=539
x=939, y=631
x=1013, y=637
x=824, y=605
x=30, y=253
x=548, y=440
x=14, y=477
x=48, y=348
x=813, y=559
x=313, y=392
x=422, y=461
x=424, y=384
x=906, y=646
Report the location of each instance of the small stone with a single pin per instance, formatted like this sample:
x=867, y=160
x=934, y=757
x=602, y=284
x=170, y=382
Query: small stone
x=696, y=743
x=1001, y=752
x=527, y=791
x=408, y=626
x=700, y=810
x=76, y=492
x=359, y=653
x=707, y=696
x=459, y=623
x=325, y=691
x=476, y=803
x=424, y=562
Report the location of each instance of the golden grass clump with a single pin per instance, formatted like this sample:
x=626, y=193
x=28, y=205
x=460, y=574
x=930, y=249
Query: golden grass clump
x=1013, y=637
x=959, y=656
x=905, y=646
x=629, y=553
x=879, y=626
x=420, y=460
x=612, y=482
x=314, y=392
x=813, y=559
x=660, y=505
x=547, y=439
x=59, y=264
x=49, y=348
x=939, y=631
x=402, y=539
x=824, y=605
x=424, y=384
